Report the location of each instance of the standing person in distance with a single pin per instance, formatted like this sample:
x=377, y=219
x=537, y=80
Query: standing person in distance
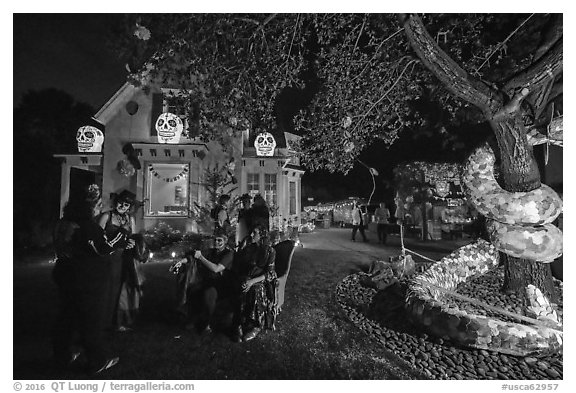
x=244, y=224
x=259, y=214
x=382, y=214
x=220, y=214
x=357, y=221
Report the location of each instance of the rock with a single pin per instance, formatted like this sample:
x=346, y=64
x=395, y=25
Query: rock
x=481, y=371
x=458, y=376
x=553, y=373
x=422, y=355
x=530, y=361
x=449, y=362
x=543, y=365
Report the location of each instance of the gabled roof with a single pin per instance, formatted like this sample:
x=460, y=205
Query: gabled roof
x=118, y=100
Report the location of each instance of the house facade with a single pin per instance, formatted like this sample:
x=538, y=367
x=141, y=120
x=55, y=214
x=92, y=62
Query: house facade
x=146, y=150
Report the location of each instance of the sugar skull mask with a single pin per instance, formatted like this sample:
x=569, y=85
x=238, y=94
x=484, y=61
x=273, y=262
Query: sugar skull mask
x=265, y=144
x=169, y=128
x=90, y=139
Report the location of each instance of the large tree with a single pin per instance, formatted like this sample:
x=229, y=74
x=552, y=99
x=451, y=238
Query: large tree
x=376, y=73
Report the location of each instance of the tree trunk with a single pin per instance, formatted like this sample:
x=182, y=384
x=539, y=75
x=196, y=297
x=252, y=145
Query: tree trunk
x=503, y=110
x=519, y=172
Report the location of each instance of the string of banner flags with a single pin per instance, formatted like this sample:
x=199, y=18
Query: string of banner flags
x=179, y=176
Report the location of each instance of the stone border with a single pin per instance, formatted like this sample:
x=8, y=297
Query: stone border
x=425, y=304
x=434, y=357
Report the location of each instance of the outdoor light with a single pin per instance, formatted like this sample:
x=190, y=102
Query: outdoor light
x=173, y=254
x=90, y=139
x=169, y=127
x=151, y=255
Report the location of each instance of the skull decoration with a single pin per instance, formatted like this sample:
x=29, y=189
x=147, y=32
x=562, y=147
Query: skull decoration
x=265, y=144
x=90, y=139
x=169, y=127
x=442, y=188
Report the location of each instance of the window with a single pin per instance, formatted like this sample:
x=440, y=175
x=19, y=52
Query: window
x=167, y=189
x=270, y=189
x=181, y=104
x=253, y=183
x=292, y=197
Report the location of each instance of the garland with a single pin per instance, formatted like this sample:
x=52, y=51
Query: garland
x=169, y=179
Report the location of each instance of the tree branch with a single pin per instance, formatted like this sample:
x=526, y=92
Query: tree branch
x=385, y=94
x=453, y=77
x=538, y=74
x=551, y=33
x=376, y=52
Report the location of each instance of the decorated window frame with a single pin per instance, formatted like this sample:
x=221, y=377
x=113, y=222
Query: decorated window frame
x=173, y=101
x=253, y=183
x=271, y=188
x=167, y=189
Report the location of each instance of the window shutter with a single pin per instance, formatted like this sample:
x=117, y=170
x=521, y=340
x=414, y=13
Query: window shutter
x=157, y=106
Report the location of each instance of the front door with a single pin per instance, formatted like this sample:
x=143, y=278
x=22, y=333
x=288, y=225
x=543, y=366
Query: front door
x=80, y=179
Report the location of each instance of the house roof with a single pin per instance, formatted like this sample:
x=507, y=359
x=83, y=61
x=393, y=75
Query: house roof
x=110, y=108
x=294, y=167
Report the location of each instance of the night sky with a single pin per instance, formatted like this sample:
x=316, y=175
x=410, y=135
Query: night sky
x=68, y=52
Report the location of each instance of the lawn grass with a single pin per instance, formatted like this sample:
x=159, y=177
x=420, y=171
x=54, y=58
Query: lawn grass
x=312, y=340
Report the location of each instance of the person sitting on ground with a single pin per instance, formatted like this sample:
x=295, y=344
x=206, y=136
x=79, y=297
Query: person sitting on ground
x=257, y=284
x=215, y=267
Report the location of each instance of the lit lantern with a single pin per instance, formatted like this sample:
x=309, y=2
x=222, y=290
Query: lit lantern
x=90, y=139
x=169, y=128
x=265, y=144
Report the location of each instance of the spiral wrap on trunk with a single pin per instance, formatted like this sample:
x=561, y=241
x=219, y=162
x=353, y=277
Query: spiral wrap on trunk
x=519, y=223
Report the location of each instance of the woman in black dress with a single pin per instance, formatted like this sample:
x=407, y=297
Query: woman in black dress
x=118, y=220
x=257, y=286
x=83, y=278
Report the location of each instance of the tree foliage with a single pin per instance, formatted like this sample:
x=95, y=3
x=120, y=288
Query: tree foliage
x=373, y=86
x=233, y=66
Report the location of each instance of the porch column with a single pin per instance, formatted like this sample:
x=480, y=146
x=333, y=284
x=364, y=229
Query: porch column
x=64, y=185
